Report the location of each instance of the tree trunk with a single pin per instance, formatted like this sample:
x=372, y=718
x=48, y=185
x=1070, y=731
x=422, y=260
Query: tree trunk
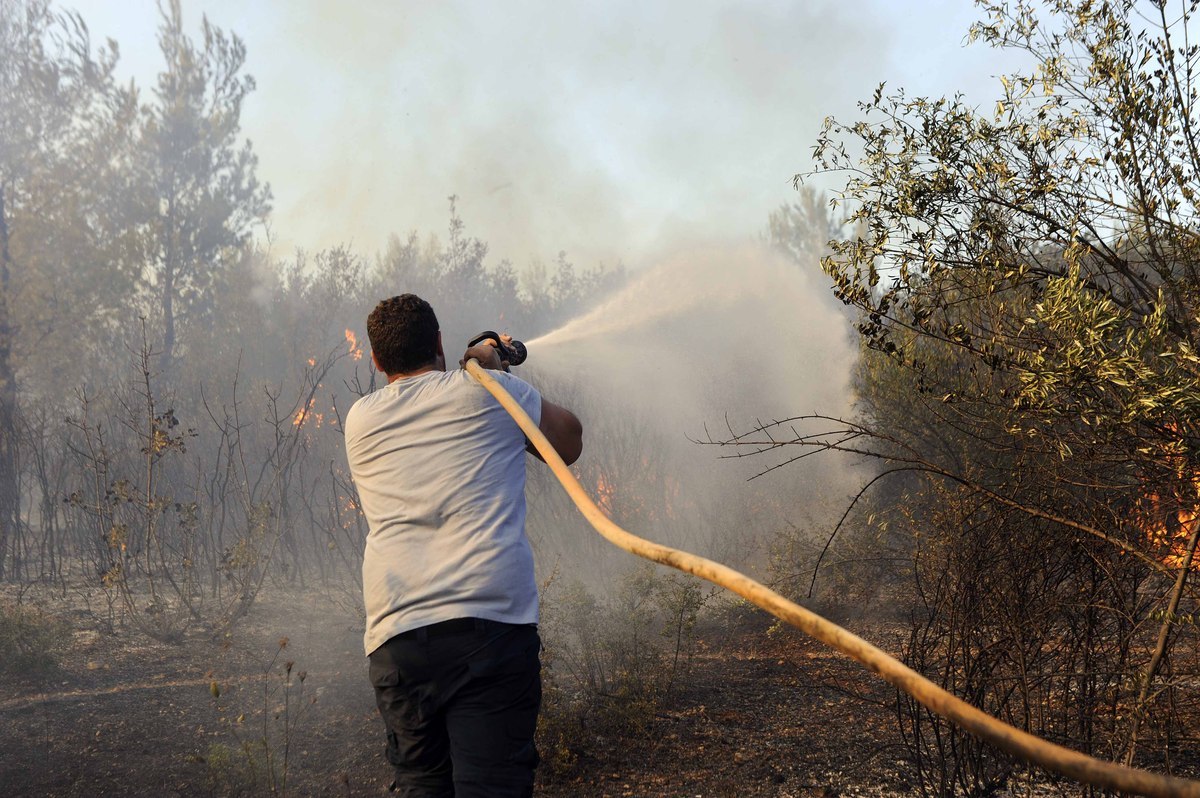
x=10, y=497
x=168, y=290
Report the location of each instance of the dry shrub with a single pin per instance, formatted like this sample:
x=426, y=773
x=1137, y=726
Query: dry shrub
x=31, y=641
x=610, y=663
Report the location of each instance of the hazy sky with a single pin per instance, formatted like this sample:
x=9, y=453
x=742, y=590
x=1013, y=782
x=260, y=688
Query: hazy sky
x=612, y=130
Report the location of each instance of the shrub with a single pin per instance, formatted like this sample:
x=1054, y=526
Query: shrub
x=610, y=663
x=30, y=640
x=260, y=762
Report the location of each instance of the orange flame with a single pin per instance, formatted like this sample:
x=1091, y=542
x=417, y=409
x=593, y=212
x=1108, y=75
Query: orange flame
x=1169, y=529
x=1169, y=521
x=306, y=414
x=604, y=494
x=356, y=351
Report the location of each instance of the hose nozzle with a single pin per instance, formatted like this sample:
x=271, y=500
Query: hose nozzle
x=514, y=352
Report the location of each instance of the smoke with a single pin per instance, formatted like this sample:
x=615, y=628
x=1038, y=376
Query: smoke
x=599, y=130
x=705, y=341
x=739, y=324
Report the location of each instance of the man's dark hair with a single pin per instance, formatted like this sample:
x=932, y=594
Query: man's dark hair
x=404, y=333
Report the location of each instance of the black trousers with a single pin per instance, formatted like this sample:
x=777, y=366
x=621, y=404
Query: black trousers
x=460, y=701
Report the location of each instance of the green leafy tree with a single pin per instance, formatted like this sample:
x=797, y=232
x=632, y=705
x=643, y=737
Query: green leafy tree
x=1030, y=274
x=202, y=198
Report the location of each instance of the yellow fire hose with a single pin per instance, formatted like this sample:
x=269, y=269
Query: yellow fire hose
x=1025, y=746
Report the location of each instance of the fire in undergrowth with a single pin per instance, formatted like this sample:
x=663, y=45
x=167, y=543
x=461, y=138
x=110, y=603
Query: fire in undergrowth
x=604, y=494
x=307, y=414
x=356, y=351
x=1169, y=529
x=1168, y=514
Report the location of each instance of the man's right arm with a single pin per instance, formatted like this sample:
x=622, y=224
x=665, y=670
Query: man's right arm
x=564, y=431
x=560, y=426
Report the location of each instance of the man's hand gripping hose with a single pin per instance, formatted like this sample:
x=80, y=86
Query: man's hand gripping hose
x=1025, y=746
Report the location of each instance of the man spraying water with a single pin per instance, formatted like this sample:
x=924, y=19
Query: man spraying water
x=448, y=579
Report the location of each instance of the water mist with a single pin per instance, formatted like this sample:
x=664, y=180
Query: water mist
x=692, y=347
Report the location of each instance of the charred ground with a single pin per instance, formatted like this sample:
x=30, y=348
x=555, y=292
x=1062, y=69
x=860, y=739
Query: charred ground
x=756, y=712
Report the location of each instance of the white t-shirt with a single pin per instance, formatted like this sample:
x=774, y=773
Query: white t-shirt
x=440, y=471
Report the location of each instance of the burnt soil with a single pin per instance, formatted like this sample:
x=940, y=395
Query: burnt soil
x=756, y=713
